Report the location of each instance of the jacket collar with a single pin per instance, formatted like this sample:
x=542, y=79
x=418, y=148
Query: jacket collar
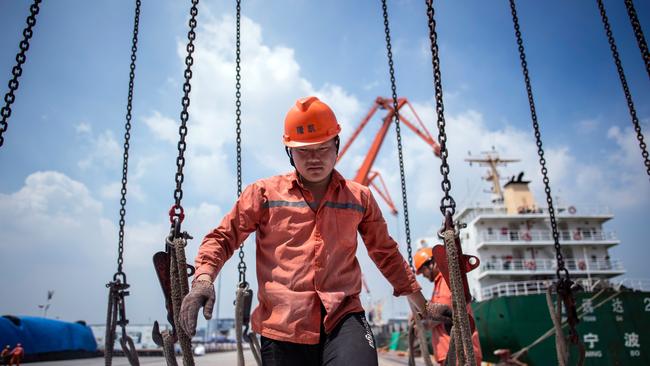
x=293, y=181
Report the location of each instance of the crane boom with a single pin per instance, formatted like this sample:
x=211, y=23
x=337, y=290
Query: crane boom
x=365, y=174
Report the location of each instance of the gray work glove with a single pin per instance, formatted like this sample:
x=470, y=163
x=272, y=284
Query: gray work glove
x=201, y=295
x=439, y=313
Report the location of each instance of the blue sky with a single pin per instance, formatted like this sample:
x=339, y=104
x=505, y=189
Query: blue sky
x=59, y=196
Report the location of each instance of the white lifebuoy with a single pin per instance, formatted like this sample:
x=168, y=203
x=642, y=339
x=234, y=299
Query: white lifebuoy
x=572, y=210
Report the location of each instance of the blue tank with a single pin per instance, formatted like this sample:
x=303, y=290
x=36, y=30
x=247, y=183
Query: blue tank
x=47, y=338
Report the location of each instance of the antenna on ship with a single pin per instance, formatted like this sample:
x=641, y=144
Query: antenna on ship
x=491, y=159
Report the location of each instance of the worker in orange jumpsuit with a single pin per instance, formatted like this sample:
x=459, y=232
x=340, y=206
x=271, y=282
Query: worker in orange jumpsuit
x=17, y=355
x=426, y=266
x=5, y=354
x=306, y=224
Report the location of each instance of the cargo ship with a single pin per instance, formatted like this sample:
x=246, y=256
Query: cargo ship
x=512, y=236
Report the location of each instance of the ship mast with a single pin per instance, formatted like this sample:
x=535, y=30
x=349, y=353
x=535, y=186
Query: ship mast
x=491, y=159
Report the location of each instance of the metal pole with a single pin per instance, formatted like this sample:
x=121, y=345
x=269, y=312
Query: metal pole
x=584, y=254
x=218, y=300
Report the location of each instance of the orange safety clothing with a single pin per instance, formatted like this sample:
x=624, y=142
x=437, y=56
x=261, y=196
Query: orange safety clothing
x=439, y=336
x=17, y=356
x=306, y=255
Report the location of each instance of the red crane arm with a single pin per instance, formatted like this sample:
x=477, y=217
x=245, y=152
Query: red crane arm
x=356, y=132
x=365, y=175
x=382, y=191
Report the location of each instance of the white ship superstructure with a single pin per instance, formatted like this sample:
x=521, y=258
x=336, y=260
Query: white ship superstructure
x=513, y=238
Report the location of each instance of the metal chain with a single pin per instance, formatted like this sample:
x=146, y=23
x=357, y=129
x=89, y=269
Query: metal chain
x=242, y=264
x=399, y=136
x=447, y=203
x=17, y=70
x=118, y=287
x=638, y=32
x=127, y=134
x=626, y=89
x=540, y=150
x=182, y=130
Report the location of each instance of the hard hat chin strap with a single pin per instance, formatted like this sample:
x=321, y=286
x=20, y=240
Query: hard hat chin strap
x=288, y=150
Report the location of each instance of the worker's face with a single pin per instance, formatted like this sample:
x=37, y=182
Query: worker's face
x=315, y=162
x=430, y=270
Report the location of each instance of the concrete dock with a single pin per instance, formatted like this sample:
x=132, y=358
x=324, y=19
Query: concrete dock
x=219, y=358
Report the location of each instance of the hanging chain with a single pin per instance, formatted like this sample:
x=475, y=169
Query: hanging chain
x=397, y=131
x=638, y=32
x=127, y=134
x=17, y=70
x=621, y=75
x=242, y=265
x=117, y=288
x=540, y=150
x=182, y=130
x=447, y=203
x=565, y=287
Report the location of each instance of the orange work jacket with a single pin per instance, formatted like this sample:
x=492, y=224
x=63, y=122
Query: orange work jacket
x=306, y=255
x=439, y=336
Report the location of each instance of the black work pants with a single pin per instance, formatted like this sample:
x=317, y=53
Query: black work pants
x=351, y=343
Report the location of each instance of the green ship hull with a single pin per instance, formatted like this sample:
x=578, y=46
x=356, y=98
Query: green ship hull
x=615, y=328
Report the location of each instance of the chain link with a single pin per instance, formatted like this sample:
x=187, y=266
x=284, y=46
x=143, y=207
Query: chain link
x=540, y=150
x=447, y=203
x=185, y=102
x=638, y=32
x=397, y=131
x=17, y=70
x=242, y=264
x=621, y=75
x=127, y=134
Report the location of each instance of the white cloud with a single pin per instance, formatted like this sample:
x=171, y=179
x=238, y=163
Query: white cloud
x=55, y=227
x=59, y=238
x=616, y=180
x=587, y=126
x=113, y=191
x=105, y=151
x=271, y=82
x=83, y=128
x=162, y=127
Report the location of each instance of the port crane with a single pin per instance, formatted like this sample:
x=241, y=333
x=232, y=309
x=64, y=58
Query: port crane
x=372, y=178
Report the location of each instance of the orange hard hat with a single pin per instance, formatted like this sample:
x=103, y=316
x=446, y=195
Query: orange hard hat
x=422, y=256
x=309, y=122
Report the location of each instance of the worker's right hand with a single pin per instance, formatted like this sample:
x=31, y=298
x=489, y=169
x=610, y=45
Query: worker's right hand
x=439, y=313
x=200, y=296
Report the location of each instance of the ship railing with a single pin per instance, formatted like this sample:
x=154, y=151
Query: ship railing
x=538, y=287
x=566, y=236
x=550, y=265
x=563, y=210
